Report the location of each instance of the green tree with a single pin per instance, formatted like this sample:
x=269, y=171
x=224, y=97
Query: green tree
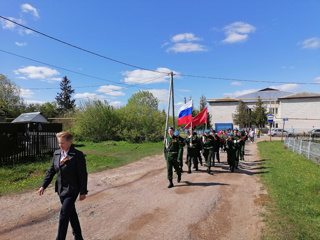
x=10, y=99
x=96, y=121
x=140, y=119
x=63, y=98
x=143, y=99
x=259, y=114
x=242, y=116
x=49, y=110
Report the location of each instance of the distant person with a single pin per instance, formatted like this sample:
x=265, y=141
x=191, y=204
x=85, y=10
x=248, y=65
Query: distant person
x=251, y=135
x=193, y=143
x=70, y=166
x=180, y=153
x=171, y=155
x=207, y=142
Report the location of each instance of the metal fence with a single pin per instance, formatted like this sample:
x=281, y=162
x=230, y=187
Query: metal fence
x=304, y=145
x=19, y=142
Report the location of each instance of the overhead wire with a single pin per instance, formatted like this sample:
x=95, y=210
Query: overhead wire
x=80, y=48
x=86, y=75
x=134, y=66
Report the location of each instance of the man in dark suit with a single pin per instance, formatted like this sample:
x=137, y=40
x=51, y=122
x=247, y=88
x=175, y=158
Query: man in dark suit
x=70, y=166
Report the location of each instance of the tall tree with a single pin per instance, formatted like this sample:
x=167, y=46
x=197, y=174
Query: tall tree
x=242, y=116
x=143, y=99
x=9, y=96
x=259, y=114
x=63, y=98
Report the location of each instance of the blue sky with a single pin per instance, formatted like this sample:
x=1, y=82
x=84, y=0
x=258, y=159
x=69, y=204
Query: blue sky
x=270, y=43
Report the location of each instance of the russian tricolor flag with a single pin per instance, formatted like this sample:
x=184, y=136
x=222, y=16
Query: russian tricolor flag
x=185, y=113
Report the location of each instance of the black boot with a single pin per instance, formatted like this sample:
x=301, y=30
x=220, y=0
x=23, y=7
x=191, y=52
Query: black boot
x=170, y=184
x=189, y=170
x=208, y=170
x=232, y=168
x=179, y=178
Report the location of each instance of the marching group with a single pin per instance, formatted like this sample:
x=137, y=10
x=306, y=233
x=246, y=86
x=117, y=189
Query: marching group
x=209, y=146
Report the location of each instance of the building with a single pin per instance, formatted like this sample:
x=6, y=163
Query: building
x=297, y=112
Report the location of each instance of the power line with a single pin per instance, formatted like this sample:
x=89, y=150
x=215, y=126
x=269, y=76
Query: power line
x=86, y=75
x=242, y=80
x=130, y=65
x=82, y=49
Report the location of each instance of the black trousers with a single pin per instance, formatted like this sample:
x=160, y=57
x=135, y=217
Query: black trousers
x=68, y=213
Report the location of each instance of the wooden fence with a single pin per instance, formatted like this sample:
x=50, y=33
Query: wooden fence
x=22, y=141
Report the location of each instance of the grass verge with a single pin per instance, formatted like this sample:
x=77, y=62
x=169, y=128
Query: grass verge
x=293, y=184
x=100, y=156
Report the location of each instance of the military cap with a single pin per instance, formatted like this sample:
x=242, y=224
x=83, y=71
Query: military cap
x=207, y=131
x=170, y=128
x=230, y=134
x=176, y=133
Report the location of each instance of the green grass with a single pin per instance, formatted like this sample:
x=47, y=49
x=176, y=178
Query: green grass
x=100, y=156
x=293, y=184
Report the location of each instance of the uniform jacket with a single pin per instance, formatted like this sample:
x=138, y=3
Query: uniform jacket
x=72, y=176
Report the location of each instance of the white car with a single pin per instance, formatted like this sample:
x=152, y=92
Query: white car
x=315, y=132
x=278, y=132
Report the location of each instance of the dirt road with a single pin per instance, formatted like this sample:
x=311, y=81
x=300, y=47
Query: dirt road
x=133, y=202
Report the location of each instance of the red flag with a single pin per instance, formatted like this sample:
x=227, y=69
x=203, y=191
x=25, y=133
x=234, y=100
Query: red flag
x=199, y=119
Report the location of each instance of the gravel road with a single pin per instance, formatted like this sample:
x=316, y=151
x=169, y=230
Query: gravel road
x=133, y=202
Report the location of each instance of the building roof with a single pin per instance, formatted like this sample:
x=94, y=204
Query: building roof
x=226, y=99
x=303, y=95
x=266, y=93
x=30, y=117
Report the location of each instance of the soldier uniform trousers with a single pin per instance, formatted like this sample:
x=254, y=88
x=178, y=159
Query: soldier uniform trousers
x=207, y=153
x=237, y=156
x=172, y=162
x=215, y=154
x=193, y=157
x=242, y=153
x=231, y=158
x=180, y=158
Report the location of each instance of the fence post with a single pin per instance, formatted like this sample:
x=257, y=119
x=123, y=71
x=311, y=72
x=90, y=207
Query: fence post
x=309, y=149
x=300, y=150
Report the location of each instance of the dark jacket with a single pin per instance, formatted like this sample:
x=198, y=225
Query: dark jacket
x=72, y=176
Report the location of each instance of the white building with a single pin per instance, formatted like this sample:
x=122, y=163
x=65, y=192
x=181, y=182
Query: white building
x=301, y=110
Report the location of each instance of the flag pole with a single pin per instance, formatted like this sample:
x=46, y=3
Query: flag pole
x=168, y=109
x=172, y=97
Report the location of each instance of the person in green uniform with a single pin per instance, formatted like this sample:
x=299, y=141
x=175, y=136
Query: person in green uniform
x=231, y=152
x=242, y=142
x=193, y=146
x=207, y=142
x=171, y=155
x=237, y=146
x=180, y=153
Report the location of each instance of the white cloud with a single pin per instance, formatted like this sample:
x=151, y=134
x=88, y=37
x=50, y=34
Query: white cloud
x=179, y=103
x=33, y=102
x=147, y=77
x=286, y=87
x=111, y=90
x=236, y=83
x=10, y=25
x=116, y=104
x=89, y=96
x=42, y=73
x=26, y=93
x=27, y=8
x=317, y=80
x=21, y=44
x=187, y=47
x=183, y=90
x=184, y=37
x=183, y=43
x=237, y=32
x=310, y=43
x=239, y=93
x=161, y=94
